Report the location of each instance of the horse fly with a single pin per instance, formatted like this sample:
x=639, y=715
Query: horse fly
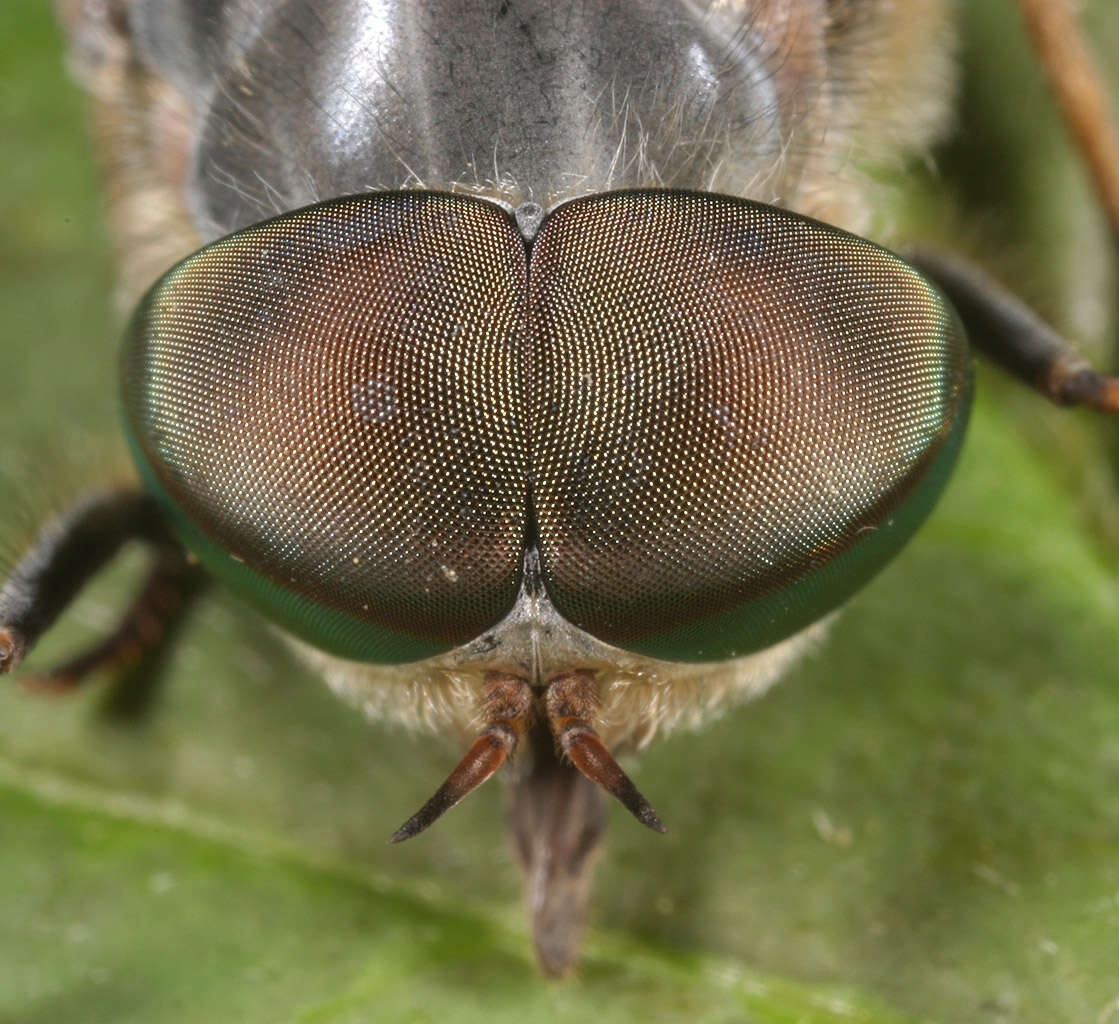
x=523, y=362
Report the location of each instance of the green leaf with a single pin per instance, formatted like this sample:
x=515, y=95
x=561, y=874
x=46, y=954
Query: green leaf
x=921, y=822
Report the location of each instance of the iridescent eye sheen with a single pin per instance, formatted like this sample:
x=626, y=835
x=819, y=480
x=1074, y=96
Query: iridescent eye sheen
x=327, y=404
x=712, y=419
x=742, y=415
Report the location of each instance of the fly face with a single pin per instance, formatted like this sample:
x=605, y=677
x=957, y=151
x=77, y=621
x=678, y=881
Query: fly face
x=568, y=426
x=544, y=423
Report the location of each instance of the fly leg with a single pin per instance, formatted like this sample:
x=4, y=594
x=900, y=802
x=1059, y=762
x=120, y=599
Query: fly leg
x=1009, y=333
x=62, y=559
x=999, y=324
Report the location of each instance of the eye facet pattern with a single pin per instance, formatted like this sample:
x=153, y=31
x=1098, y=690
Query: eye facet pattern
x=713, y=419
x=331, y=398
x=741, y=415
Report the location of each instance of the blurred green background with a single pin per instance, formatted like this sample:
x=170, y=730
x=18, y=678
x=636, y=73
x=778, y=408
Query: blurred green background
x=921, y=823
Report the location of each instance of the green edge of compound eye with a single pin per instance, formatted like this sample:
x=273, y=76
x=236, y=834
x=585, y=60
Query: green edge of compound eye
x=329, y=630
x=762, y=623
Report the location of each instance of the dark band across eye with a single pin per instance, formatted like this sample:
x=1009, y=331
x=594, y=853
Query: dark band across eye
x=713, y=418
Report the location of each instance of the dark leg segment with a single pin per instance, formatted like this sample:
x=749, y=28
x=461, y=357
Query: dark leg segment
x=141, y=637
x=63, y=558
x=1003, y=328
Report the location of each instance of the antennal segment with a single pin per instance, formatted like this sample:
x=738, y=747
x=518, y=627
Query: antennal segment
x=571, y=702
x=507, y=710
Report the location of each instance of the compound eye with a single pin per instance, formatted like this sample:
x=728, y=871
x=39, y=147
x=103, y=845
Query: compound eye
x=325, y=405
x=740, y=416
x=714, y=419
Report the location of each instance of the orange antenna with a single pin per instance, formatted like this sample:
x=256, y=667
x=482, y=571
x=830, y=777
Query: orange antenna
x=571, y=702
x=507, y=702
